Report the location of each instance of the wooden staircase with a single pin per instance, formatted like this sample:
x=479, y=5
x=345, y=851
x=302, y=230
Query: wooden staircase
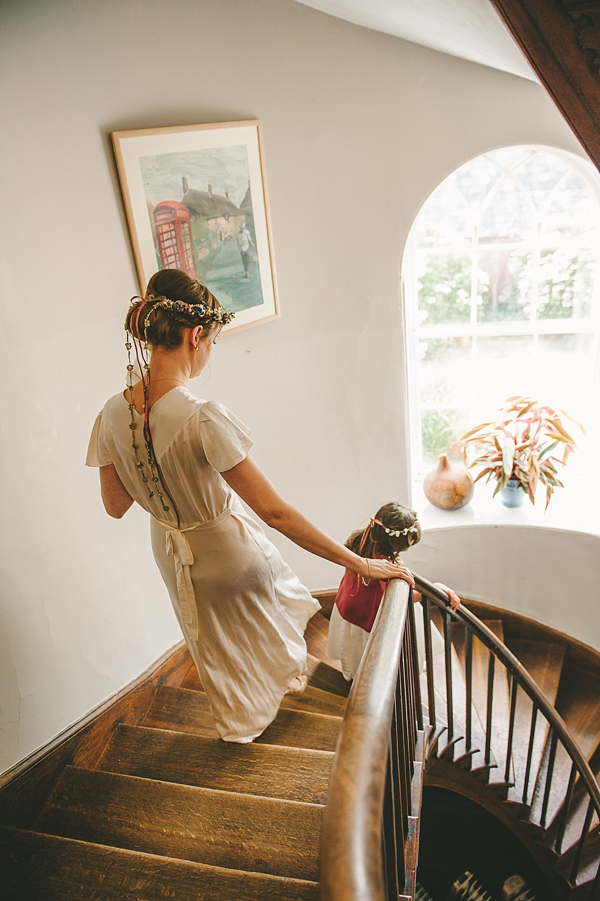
x=517, y=790
x=165, y=810
x=169, y=811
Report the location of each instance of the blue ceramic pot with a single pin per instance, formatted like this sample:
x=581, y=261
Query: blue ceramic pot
x=513, y=494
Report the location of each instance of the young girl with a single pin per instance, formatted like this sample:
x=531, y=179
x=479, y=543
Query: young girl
x=393, y=529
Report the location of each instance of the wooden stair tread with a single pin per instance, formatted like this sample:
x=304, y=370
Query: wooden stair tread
x=53, y=868
x=192, y=680
x=458, y=635
x=313, y=700
x=575, y=823
x=293, y=774
x=477, y=759
x=218, y=828
x=500, y=701
x=590, y=861
x=182, y=710
x=500, y=704
x=578, y=703
x=315, y=635
x=544, y=662
x=323, y=676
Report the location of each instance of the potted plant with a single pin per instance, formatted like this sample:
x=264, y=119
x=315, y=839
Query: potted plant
x=517, y=449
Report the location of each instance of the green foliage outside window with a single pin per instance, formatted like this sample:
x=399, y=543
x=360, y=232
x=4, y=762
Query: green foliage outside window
x=440, y=430
x=445, y=289
x=507, y=241
x=565, y=283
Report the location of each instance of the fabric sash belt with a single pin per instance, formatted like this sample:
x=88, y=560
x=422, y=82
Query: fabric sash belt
x=178, y=547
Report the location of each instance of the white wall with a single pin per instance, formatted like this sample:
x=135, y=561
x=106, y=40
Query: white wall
x=550, y=575
x=358, y=129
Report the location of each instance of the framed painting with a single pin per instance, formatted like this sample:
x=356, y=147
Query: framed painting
x=195, y=199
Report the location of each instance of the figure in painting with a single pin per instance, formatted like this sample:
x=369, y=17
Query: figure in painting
x=247, y=247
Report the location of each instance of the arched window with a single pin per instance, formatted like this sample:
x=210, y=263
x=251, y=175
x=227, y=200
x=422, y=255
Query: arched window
x=502, y=289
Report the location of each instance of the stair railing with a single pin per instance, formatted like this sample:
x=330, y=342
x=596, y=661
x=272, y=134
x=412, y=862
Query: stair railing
x=581, y=775
x=369, y=839
x=370, y=830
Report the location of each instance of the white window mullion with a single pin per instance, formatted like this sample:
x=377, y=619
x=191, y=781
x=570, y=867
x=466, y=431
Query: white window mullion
x=539, y=201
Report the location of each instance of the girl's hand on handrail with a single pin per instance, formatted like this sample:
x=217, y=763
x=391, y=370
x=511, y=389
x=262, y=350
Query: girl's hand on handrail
x=451, y=595
x=384, y=570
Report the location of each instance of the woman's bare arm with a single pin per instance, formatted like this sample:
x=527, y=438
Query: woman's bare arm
x=249, y=481
x=115, y=497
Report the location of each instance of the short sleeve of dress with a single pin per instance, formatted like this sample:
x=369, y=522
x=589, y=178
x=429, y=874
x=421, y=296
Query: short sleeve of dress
x=225, y=439
x=97, y=454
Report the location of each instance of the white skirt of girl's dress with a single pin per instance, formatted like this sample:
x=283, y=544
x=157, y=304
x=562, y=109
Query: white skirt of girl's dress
x=347, y=642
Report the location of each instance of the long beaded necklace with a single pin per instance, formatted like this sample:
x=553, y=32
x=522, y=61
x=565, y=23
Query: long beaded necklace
x=155, y=483
x=152, y=476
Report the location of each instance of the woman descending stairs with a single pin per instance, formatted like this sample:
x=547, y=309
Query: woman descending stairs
x=171, y=811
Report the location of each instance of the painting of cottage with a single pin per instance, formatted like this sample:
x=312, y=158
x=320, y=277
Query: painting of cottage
x=195, y=200
x=200, y=209
x=214, y=213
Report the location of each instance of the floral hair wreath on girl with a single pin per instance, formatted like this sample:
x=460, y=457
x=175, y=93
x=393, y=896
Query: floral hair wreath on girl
x=396, y=533
x=393, y=533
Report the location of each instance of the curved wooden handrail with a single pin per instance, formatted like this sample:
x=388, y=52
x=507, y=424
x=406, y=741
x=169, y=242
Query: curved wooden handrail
x=526, y=682
x=351, y=838
x=367, y=800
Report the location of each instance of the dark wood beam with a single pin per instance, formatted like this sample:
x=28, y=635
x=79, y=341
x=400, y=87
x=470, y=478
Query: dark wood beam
x=561, y=40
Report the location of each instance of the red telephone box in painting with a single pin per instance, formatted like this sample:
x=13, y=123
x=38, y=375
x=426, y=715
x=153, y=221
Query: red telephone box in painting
x=174, y=234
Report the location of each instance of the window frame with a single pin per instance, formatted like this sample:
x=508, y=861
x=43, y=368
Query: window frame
x=530, y=327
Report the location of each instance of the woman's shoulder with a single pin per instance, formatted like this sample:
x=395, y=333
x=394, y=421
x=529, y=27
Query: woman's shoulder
x=212, y=409
x=225, y=438
x=210, y=418
x=114, y=405
x=183, y=399
x=216, y=414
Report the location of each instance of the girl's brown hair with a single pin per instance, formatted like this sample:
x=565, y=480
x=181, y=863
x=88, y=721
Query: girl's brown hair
x=165, y=328
x=376, y=542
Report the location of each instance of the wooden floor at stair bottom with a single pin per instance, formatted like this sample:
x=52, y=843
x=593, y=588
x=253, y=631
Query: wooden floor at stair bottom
x=35, y=867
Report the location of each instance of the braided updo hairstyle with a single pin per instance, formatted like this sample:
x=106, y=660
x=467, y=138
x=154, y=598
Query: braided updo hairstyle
x=376, y=542
x=165, y=328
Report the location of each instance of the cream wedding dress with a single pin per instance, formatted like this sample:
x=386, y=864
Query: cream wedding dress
x=242, y=610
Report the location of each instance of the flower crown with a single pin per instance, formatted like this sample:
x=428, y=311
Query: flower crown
x=201, y=310
x=396, y=533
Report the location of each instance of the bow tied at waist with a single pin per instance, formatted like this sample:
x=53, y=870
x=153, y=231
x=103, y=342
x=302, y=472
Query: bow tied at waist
x=179, y=548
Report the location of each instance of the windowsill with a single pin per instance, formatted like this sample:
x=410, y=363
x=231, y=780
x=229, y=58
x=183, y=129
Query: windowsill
x=573, y=508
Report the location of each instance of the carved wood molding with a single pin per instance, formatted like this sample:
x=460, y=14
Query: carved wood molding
x=586, y=17
x=561, y=39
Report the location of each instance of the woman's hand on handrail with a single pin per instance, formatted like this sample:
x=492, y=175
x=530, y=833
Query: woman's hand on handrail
x=384, y=569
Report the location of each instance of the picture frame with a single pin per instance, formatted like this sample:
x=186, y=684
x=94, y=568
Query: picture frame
x=195, y=199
